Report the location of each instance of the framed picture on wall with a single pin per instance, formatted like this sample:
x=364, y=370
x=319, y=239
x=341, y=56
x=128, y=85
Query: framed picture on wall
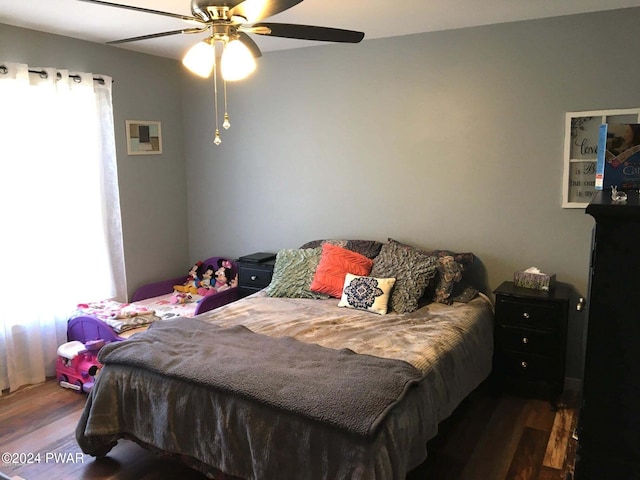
x=143, y=137
x=581, y=152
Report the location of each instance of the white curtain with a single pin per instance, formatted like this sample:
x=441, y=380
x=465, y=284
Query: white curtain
x=60, y=212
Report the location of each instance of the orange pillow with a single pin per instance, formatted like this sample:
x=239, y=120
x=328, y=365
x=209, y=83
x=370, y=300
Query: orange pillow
x=334, y=265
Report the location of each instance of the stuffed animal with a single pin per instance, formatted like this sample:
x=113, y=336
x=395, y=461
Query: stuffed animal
x=223, y=280
x=223, y=275
x=179, y=298
x=192, y=282
x=205, y=287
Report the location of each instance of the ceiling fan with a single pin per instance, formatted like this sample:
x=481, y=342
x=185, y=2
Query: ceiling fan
x=232, y=19
x=227, y=24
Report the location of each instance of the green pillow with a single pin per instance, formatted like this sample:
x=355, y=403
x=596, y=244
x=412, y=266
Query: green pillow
x=293, y=273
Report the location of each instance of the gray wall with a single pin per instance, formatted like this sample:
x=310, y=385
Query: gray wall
x=451, y=139
x=152, y=188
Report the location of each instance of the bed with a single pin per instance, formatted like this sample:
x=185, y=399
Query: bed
x=150, y=302
x=282, y=386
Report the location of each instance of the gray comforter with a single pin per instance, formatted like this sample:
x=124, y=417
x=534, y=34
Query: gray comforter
x=450, y=347
x=304, y=379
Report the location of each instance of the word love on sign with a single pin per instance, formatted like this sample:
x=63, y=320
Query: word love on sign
x=583, y=156
x=586, y=149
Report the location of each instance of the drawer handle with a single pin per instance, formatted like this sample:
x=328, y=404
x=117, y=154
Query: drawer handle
x=526, y=315
x=254, y=277
x=523, y=364
x=525, y=340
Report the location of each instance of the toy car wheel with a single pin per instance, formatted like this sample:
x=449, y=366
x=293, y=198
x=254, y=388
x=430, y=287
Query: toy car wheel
x=63, y=378
x=79, y=383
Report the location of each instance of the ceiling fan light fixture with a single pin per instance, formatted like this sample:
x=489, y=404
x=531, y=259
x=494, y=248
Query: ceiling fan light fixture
x=200, y=58
x=237, y=62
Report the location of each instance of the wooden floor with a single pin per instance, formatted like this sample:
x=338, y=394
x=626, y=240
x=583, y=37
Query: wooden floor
x=488, y=438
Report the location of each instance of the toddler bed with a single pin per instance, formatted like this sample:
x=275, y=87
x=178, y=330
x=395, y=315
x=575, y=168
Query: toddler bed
x=114, y=321
x=291, y=382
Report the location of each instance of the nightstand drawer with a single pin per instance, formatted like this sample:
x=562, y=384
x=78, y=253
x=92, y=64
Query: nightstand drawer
x=254, y=277
x=527, y=341
x=529, y=367
x=531, y=314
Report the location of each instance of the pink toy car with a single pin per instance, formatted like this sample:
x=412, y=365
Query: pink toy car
x=77, y=364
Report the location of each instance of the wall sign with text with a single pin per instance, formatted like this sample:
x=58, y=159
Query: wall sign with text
x=581, y=152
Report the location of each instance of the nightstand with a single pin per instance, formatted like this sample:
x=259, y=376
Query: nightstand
x=254, y=272
x=530, y=339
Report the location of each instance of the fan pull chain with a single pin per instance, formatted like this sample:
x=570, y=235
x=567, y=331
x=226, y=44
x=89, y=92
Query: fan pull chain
x=225, y=124
x=217, y=140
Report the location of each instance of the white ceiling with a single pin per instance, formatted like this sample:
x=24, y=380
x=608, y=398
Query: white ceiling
x=377, y=18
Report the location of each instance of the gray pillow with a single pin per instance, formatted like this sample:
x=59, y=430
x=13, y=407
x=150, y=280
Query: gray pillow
x=412, y=268
x=293, y=272
x=368, y=248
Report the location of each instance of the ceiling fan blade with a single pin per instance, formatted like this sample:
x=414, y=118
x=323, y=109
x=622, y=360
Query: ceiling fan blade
x=145, y=10
x=158, y=35
x=250, y=44
x=309, y=32
x=256, y=10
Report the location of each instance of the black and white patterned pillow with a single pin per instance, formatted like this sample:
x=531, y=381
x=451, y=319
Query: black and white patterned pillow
x=366, y=293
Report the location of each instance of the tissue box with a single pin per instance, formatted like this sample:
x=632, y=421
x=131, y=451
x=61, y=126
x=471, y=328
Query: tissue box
x=536, y=281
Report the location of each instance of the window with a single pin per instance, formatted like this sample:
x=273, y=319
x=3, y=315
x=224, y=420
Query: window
x=62, y=239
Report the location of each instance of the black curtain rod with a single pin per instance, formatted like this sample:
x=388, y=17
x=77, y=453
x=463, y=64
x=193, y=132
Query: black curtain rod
x=77, y=78
x=44, y=74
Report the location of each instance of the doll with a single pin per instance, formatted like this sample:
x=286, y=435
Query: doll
x=223, y=280
x=179, y=298
x=192, y=282
x=205, y=287
x=223, y=276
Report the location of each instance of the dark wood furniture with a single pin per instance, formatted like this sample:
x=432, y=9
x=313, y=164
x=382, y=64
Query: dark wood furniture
x=609, y=428
x=531, y=339
x=254, y=276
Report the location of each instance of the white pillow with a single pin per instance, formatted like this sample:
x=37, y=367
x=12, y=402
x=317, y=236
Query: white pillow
x=366, y=293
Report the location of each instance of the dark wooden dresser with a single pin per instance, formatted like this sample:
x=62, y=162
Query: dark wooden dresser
x=531, y=339
x=609, y=426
